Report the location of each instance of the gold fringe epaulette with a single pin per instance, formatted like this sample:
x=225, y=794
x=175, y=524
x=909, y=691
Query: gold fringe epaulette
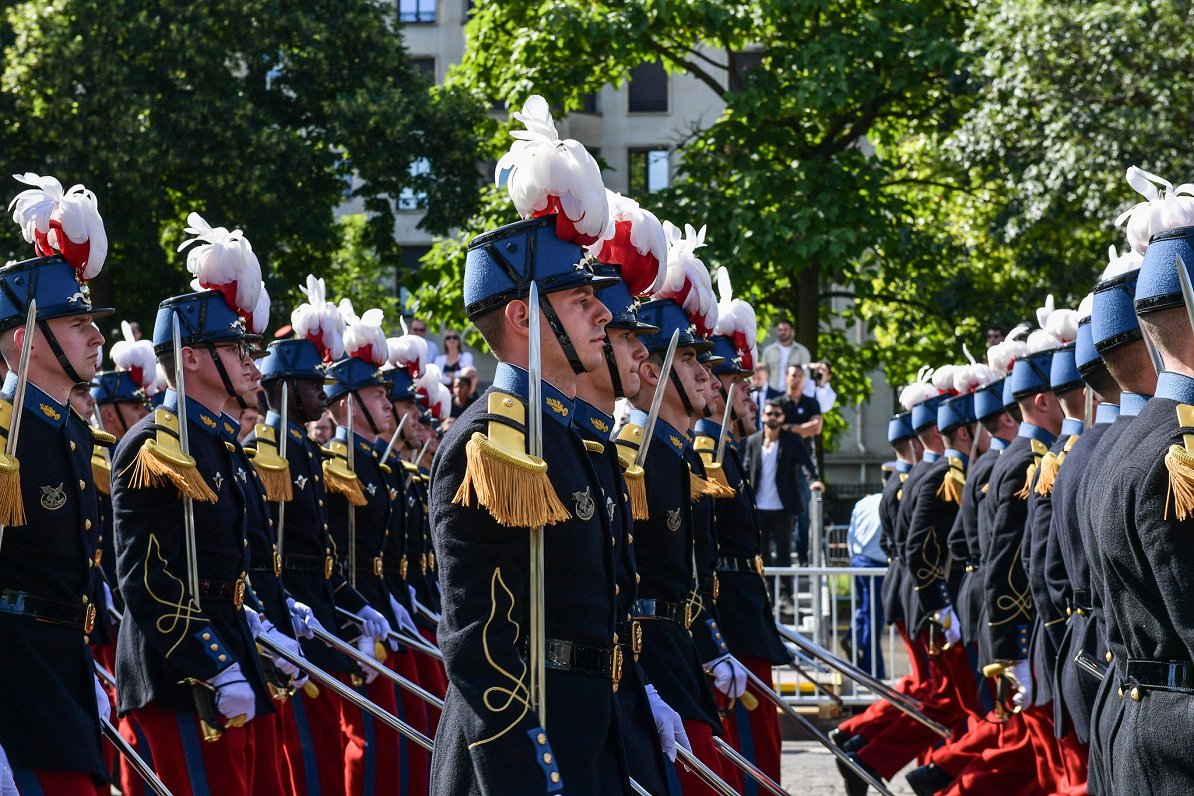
x=594, y=447
x=499, y=476
x=409, y=467
x=101, y=472
x=101, y=437
x=953, y=483
x=338, y=477
x=161, y=461
x=1179, y=461
x=629, y=438
x=271, y=467
x=12, y=506
x=1050, y=464
x=1039, y=451
x=706, y=448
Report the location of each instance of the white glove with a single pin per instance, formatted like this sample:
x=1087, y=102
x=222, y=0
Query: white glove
x=729, y=676
x=667, y=723
x=297, y=678
x=365, y=645
x=111, y=603
x=405, y=622
x=234, y=695
x=254, y=620
x=302, y=619
x=8, y=786
x=1023, y=674
x=376, y=625
x=414, y=601
x=950, y=625
x=102, y=703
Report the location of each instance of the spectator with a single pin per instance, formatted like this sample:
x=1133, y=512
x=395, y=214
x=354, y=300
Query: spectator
x=783, y=353
x=419, y=327
x=463, y=394
x=774, y=456
x=321, y=430
x=802, y=417
x=762, y=390
x=816, y=385
x=865, y=551
x=994, y=335
x=454, y=358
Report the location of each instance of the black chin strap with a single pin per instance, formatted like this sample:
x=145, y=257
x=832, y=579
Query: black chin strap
x=561, y=335
x=733, y=415
x=120, y=416
x=368, y=415
x=683, y=395
x=215, y=357
x=612, y=363
x=59, y=354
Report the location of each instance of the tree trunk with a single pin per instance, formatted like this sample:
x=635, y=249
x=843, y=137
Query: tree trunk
x=807, y=308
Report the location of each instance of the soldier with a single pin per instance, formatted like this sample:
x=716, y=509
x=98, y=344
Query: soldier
x=1140, y=519
x=49, y=716
x=187, y=665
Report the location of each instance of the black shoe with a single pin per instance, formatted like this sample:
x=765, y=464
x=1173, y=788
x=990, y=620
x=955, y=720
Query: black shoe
x=927, y=780
x=855, y=785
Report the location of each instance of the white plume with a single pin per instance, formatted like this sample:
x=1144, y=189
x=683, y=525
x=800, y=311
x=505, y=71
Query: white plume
x=224, y=261
x=943, y=378
x=1119, y=264
x=633, y=239
x=67, y=222
x=1063, y=324
x=544, y=174
x=439, y=401
x=135, y=356
x=687, y=281
x=968, y=378
x=736, y=318
x=1043, y=313
x=1163, y=208
x=408, y=351
x=259, y=319
x=917, y=393
x=159, y=382
x=363, y=337
x=1001, y=356
x=1086, y=307
x=1041, y=340
x=319, y=321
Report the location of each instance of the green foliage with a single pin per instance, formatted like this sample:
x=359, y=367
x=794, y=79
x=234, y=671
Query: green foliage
x=256, y=114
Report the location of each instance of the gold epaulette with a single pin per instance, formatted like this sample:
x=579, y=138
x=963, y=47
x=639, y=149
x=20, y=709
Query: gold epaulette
x=1050, y=464
x=273, y=469
x=230, y=447
x=161, y=460
x=630, y=437
x=101, y=472
x=338, y=477
x=12, y=507
x=101, y=437
x=719, y=487
x=409, y=467
x=1039, y=451
x=501, y=477
x=594, y=447
x=385, y=468
x=954, y=481
x=1179, y=461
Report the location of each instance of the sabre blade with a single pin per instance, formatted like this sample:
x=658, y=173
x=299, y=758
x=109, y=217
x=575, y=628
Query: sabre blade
x=538, y=603
x=1183, y=277
x=665, y=371
x=283, y=438
x=184, y=443
x=691, y=762
x=350, y=441
x=725, y=424
x=751, y=770
x=393, y=439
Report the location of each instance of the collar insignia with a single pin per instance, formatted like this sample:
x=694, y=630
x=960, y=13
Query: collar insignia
x=53, y=497
x=673, y=519
x=599, y=424
x=228, y=429
x=207, y=421
x=557, y=406
x=585, y=507
x=294, y=433
x=219, y=479
x=672, y=438
x=300, y=482
x=50, y=411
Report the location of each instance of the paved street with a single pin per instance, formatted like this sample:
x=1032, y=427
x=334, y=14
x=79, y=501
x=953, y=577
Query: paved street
x=808, y=768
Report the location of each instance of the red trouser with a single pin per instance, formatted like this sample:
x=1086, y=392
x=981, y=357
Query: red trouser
x=432, y=677
x=371, y=748
x=414, y=761
x=756, y=732
x=1050, y=771
x=187, y=764
x=1007, y=768
x=268, y=757
x=700, y=736
x=314, y=744
x=882, y=713
x=954, y=757
x=56, y=783
x=131, y=783
x=1074, y=755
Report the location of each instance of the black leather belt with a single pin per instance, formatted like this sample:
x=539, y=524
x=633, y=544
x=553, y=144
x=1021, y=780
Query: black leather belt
x=710, y=586
x=630, y=634
x=1161, y=674
x=646, y=608
x=223, y=591
x=568, y=656
x=740, y=564
x=371, y=566
x=79, y=617
x=270, y=565
x=400, y=569
x=300, y=563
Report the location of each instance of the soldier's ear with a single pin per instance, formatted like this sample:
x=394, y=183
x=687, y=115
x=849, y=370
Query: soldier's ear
x=517, y=317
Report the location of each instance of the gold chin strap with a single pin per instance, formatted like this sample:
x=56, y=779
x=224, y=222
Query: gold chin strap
x=502, y=478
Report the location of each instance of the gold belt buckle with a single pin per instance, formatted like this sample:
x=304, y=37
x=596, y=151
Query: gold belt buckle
x=238, y=593
x=328, y=564
x=716, y=587
x=402, y=566
x=89, y=619
x=377, y=566
x=616, y=669
x=99, y=556
x=636, y=637
x=687, y=615
x=277, y=563
x=759, y=565
x=423, y=563
x=431, y=560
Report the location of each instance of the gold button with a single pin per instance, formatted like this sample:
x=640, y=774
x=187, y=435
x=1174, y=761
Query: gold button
x=72, y=444
x=207, y=636
x=325, y=527
x=271, y=523
x=638, y=578
x=222, y=658
x=541, y=738
x=215, y=647
x=613, y=541
x=310, y=455
x=82, y=484
x=1135, y=693
x=508, y=402
x=1069, y=611
x=1120, y=691
x=1109, y=656
x=86, y=639
x=547, y=757
x=555, y=776
x=321, y=501
x=629, y=538
x=86, y=599
x=717, y=636
x=317, y=479
x=617, y=589
x=87, y=525
x=615, y=638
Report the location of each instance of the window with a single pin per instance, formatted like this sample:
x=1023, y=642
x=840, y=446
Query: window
x=588, y=103
x=416, y=11
x=426, y=66
x=409, y=256
x=648, y=88
x=650, y=170
x=414, y=197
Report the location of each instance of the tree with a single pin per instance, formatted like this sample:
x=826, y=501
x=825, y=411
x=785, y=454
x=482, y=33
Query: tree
x=262, y=115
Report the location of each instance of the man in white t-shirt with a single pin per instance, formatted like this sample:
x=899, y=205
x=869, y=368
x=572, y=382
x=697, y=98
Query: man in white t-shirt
x=783, y=352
